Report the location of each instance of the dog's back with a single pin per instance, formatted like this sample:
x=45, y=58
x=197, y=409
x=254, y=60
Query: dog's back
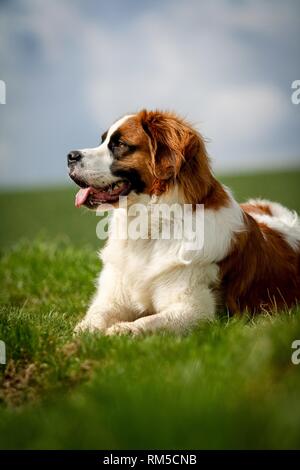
x=263, y=270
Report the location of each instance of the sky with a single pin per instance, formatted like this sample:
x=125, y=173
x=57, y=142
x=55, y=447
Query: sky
x=71, y=68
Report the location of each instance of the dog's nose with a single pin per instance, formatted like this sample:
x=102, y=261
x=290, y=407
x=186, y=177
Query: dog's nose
x=74, y=156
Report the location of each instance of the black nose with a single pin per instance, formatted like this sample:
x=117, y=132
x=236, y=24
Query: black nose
x=74, y=156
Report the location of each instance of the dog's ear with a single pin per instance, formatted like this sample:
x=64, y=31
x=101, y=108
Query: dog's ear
x=177, y=153
x=168, y=139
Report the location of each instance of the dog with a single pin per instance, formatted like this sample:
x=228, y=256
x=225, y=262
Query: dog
x=250, y=258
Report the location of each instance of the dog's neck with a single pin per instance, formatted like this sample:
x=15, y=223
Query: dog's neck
x=218, y=223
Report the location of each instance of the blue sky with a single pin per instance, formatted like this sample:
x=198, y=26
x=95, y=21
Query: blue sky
x=72, y=67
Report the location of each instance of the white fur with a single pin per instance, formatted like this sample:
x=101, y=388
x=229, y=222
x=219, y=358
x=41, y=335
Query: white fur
x=282, y=219
x=94, y=167
x=145, y=285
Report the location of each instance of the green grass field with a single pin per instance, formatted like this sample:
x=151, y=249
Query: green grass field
x=230, y=384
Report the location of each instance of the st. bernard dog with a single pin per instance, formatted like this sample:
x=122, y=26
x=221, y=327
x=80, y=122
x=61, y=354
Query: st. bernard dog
x=250, y=258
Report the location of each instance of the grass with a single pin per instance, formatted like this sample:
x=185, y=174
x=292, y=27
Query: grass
x=227, y=385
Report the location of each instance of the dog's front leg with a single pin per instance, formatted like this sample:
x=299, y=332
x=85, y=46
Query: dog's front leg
x=97, y=317
x=107, y=306
x=177, y=317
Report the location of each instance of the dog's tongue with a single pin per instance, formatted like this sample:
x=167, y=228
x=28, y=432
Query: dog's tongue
x=82, y=196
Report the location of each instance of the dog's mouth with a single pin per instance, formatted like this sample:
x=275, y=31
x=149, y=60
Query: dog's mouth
x=92, y=197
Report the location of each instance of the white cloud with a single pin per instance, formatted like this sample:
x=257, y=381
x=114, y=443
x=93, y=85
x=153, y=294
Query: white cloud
x=210, y=61
x=246, y=112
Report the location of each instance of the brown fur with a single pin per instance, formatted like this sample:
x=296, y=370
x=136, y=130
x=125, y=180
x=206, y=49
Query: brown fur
x=257, y=208
x=262, y=272
x=170, y=151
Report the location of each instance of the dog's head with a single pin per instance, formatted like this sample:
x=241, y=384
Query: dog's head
x=142, y=154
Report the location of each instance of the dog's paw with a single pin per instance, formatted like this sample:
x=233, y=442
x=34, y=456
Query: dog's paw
x=89, y=326
x=123, y=328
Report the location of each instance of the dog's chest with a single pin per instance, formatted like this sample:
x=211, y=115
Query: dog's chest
x=141, y=266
